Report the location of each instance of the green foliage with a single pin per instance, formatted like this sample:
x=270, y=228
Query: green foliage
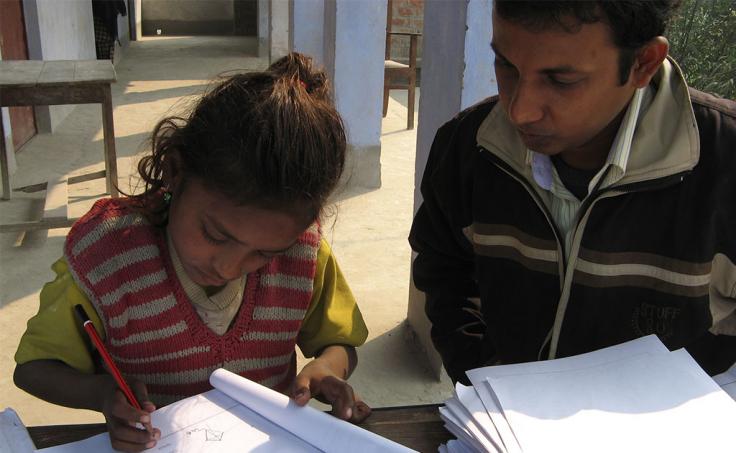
x=703, y=42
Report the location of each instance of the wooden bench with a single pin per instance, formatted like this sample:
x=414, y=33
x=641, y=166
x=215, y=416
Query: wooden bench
x=35, y=82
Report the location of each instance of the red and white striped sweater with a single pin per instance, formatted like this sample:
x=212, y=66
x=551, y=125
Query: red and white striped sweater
x=152, y=330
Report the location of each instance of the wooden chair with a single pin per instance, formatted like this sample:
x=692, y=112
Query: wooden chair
x=399, y=75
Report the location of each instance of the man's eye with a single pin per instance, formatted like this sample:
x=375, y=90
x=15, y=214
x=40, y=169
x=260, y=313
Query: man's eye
x=563, y=83
x=503, y=63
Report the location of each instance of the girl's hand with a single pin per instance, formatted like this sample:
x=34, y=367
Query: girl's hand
x=318, y=380
x=122, y=418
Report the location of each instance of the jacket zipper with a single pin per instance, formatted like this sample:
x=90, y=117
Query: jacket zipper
x=554, y=334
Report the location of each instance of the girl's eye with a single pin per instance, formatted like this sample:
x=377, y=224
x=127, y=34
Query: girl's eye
x=211, y=239
x=269, y=255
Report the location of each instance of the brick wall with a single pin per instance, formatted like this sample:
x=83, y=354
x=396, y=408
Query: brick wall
x=407, y=16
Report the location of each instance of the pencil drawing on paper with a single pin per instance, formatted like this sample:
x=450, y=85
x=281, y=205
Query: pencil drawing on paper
x=210, y=435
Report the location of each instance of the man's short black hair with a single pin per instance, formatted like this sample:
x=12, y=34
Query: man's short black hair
x=633, y=22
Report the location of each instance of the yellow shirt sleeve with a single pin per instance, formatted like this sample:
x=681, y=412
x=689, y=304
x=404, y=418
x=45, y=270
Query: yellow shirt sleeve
x=53, y=333
x=333, y=316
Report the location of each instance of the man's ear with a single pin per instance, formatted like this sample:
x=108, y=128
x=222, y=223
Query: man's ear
x=648, y=60
x=171, y=172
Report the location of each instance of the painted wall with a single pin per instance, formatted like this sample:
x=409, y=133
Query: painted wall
x=354, y=39
x=457, y=72
x=188, y=9
x=58, y=30
x=264, y=27
x=279, y=32
x=479, y=78
x=180, y=17
x=307, y=18
x=359, y=54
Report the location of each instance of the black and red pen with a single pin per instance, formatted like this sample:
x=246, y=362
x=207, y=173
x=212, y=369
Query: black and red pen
x=97, y=341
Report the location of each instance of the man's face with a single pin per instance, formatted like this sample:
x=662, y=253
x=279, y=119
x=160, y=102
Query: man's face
x=560, y=90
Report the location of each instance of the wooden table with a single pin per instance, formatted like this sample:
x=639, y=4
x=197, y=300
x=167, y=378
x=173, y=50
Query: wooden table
x=417, y=427
x=36, y=82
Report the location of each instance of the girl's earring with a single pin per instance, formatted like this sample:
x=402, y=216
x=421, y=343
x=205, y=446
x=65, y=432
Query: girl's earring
x=167, y=197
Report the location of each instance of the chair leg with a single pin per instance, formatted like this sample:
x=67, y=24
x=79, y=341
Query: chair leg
x=385, y=99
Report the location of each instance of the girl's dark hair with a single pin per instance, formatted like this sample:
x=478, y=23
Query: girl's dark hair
x=633, y=22
x=271, y=139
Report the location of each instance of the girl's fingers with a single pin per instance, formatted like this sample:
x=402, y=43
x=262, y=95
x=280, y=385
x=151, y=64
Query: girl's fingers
x=361, y=411
x=340, y=394
x=122, y=410
x=129, y=438
x=300, y=391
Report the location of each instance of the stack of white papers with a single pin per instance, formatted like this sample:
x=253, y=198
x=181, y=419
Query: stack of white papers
x=633, y=397
x=13, y=434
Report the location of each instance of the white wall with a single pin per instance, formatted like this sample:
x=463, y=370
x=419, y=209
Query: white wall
x=457, y=72
x=279, y=30
x=264, y=27
x=359, y=53
x=307, y=20
x=58, y=30
x=354, y=43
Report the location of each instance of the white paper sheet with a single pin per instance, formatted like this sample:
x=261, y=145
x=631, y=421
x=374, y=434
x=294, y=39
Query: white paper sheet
x=322, y=430
x=13, y=434
x=727, y=381
x=210, y=422
x=648, y=344
x=647, y=402
x=469, y=398
x=242, y=416
x=457, y=428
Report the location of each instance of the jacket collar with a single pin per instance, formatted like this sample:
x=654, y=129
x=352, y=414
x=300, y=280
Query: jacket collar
x=666, y=141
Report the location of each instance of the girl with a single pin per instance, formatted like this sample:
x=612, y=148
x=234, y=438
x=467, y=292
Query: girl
x=218, y=263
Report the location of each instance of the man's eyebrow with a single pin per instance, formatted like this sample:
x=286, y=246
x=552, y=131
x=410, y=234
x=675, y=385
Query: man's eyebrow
x=564, y=69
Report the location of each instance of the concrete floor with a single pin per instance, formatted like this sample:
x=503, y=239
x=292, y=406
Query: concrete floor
x=368, y=228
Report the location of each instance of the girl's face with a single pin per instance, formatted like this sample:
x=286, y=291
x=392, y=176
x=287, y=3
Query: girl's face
x=218, y=241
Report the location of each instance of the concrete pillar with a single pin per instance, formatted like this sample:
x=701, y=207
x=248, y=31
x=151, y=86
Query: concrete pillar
x=354, y=44
x=306, y=22
x=279, y=29
x=137, y=17
x=457, y=71
x=264, y=27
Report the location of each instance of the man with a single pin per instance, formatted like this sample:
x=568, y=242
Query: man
x=593, y=201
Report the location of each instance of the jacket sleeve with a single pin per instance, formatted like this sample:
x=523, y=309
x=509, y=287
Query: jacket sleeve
x=444, y=265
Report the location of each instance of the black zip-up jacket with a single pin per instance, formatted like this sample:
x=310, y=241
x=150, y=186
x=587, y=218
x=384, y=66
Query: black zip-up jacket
x=653, y=253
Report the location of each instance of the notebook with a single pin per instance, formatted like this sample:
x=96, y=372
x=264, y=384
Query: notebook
x=239, y=415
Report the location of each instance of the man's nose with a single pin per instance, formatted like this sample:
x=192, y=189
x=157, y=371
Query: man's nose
x=525, y=106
